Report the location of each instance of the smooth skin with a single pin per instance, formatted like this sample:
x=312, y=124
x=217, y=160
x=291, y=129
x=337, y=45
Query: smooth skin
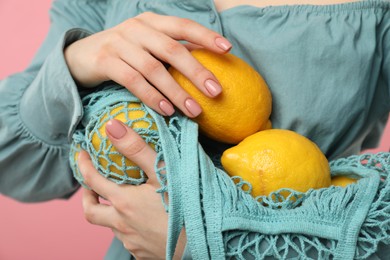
x=141, y=223
x=128, y=54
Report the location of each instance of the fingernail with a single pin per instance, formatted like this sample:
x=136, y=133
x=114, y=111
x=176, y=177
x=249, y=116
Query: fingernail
x=166, y=108
x=213, y=87
x=115, y=129
x=223, y=44
x=193, y=107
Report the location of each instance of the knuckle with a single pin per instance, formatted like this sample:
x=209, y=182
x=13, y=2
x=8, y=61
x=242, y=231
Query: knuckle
x=107, y=48
x=132, y=77
x=134, y=21
x=131, y=248
x=114, y=38
x=127, y=246
x=185, y=23
x=120, y=205
x=119, y=226
x=145, y=15
x=131, y=26
x=151, y=67
x=151, y=95
x=111, y=40
x=143, y=19
x=122, y=228
x=102, y=56
x=124, y=207
x=87, y=175
x=201, y=73
x=135, y=147
x=174, y=48
x=138, y=253
x=185, y=26
x=179, y=96
x=89, y=215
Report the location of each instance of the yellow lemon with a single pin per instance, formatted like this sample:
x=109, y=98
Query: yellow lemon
x=109, y=158
x=243, y=107
x=273, y=159
x=342, y=181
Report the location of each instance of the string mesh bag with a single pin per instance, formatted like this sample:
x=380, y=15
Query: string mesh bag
x=99, y=107
x=223, y=221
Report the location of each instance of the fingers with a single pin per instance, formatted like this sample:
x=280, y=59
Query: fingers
x=128, y=143
x=96, y=213
x=135, y=82
x=188, y=30
x=175, y=53
x=133, y=52
x=131, y=145
x=158, y=38
x=143, y=72
x=191, y=46
x=136, y=214
x=95, y=180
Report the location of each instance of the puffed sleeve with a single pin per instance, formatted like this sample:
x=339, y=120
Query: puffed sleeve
x=386, y=54
x=40, y=108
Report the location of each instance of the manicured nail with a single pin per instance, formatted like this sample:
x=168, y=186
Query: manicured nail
x=115, y=128
x=213, y=87
x=166, y=108
x=193, y=107
x=223, y=44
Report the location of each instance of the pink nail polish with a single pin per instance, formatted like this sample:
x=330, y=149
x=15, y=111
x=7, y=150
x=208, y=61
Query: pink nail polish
x=115, y=129
x=193, y=107
x=213, y=87
x=166, y=108
x=223, y=44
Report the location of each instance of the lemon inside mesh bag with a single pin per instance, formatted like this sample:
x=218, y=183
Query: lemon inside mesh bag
x=112, y=103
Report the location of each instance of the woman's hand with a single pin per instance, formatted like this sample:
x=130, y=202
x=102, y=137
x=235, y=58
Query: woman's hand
x=133, y=52
x=135, y=214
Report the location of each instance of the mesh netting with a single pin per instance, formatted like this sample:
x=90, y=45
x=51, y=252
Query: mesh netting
x=251, y=245
x=241, y=244
x=317, y=224
x=109, y=162
x=99, y=108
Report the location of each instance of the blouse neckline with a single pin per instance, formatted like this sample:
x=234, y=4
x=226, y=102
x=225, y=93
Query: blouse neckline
x=337, y=7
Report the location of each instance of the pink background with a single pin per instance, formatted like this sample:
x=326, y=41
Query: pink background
x=53, y=230
x=56, y=229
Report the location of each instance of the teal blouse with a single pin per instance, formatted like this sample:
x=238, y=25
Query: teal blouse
x=328, y=68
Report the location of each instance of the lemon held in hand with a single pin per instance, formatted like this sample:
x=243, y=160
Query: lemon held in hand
x=243, y=107
x=111, y=162
x=273, y=159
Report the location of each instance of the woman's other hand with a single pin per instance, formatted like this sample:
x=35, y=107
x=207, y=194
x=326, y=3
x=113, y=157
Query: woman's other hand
x=133, y=54
x=135, y=214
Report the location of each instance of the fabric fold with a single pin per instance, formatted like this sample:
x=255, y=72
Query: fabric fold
x=212, y=207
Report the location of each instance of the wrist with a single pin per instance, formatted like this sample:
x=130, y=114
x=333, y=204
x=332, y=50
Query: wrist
x=74, y=52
